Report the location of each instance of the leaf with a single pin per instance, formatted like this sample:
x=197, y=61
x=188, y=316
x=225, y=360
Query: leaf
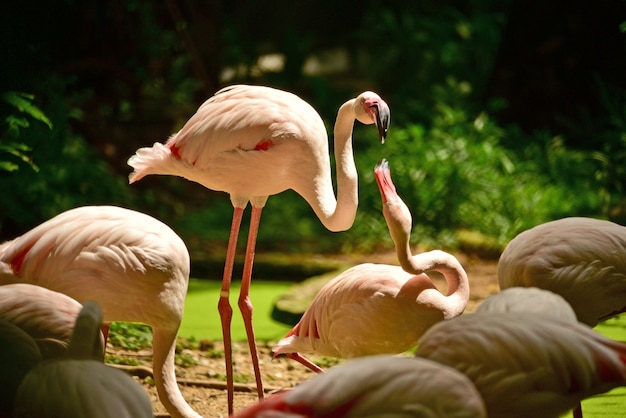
x=23, y=102
x=7, y=166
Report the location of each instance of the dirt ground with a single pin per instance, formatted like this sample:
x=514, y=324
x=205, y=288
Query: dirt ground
x=203, y=385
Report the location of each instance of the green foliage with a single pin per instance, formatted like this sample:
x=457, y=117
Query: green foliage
x=457, y=175
x=130, y=335
x=454, y=164
x=70, y=172
x=13, y=126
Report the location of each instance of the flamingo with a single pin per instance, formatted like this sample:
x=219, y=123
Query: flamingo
x=45, y=315
x=525, y=364
x=133, y=265
x=18, y=355
x=253, y=142
x=529, y=299
x=581, y=259
x=79, y=384
x=377, y=386
x=378, y=308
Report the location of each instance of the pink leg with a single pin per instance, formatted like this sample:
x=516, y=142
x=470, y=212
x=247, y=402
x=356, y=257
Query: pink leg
x=305, y=362
x=244, y=296
x=223, y=306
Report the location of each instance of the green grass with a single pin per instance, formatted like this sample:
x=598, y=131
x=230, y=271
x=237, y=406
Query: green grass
x=202, y=320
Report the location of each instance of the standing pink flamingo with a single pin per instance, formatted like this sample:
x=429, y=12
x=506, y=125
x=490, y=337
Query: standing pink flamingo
x=378, y=308
x=526, y=364
x=581, y=259
x=253, y=142
x=377, y=386
x=133, y=265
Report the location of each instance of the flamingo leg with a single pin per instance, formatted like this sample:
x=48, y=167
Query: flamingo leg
x=305, y=362
x=244, y=296
x=224, y=308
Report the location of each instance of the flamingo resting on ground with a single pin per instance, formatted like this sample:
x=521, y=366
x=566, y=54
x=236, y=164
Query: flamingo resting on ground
x=253, y=142
x=529, y=299
x=79, y=384
x=377, y=386
x=581, y=259
x=47, y=316
x=525, y=364
x=378, y=308
x=133, y=265
x=18, y=355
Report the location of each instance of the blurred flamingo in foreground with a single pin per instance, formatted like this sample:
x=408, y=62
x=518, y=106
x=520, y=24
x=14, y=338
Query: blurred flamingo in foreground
x=47, y=316
x=378, y=308
x=377, y=386
x=253, y=142
x=581, y=259
x=527, y=365
x=133, y=265
x=79, y=384
x=531, y=300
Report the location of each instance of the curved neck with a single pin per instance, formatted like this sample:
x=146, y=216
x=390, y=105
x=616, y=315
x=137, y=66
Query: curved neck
x=339, y=214
x=440, y=261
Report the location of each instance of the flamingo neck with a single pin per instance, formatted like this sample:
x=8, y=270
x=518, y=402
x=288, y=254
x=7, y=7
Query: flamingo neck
x=338, y=215
x=444, y=263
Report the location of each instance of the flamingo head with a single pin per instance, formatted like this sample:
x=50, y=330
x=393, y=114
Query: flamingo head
x=370, y=108
x=396, y=212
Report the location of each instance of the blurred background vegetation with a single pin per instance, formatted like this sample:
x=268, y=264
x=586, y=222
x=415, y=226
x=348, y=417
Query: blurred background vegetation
x=505, y=114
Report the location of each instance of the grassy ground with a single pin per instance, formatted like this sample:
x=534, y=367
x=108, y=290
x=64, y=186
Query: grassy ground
x=202, y=321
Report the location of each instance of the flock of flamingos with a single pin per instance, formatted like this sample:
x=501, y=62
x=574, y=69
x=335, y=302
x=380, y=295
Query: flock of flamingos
x=528, y=351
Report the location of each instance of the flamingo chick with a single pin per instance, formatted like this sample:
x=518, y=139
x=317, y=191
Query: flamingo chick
x=378, y=308
x=253, y=142
x=377, y=386
x=527, y=365
x=581, y=259
x=133, y=265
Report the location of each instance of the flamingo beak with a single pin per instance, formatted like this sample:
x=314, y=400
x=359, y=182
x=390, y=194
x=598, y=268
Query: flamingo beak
x=382, y=118
x=383, y=178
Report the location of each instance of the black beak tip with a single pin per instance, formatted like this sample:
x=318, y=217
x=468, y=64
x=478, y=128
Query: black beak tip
x=382, y=123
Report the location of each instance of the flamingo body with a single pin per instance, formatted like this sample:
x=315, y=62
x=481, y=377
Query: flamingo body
x=133, y=265
x=377, y=386
x=581, y=259
x=253, y=142
x=45, y=315
x=80, y=385
x=527, y=365
x=529, y=299
x=368, y=309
